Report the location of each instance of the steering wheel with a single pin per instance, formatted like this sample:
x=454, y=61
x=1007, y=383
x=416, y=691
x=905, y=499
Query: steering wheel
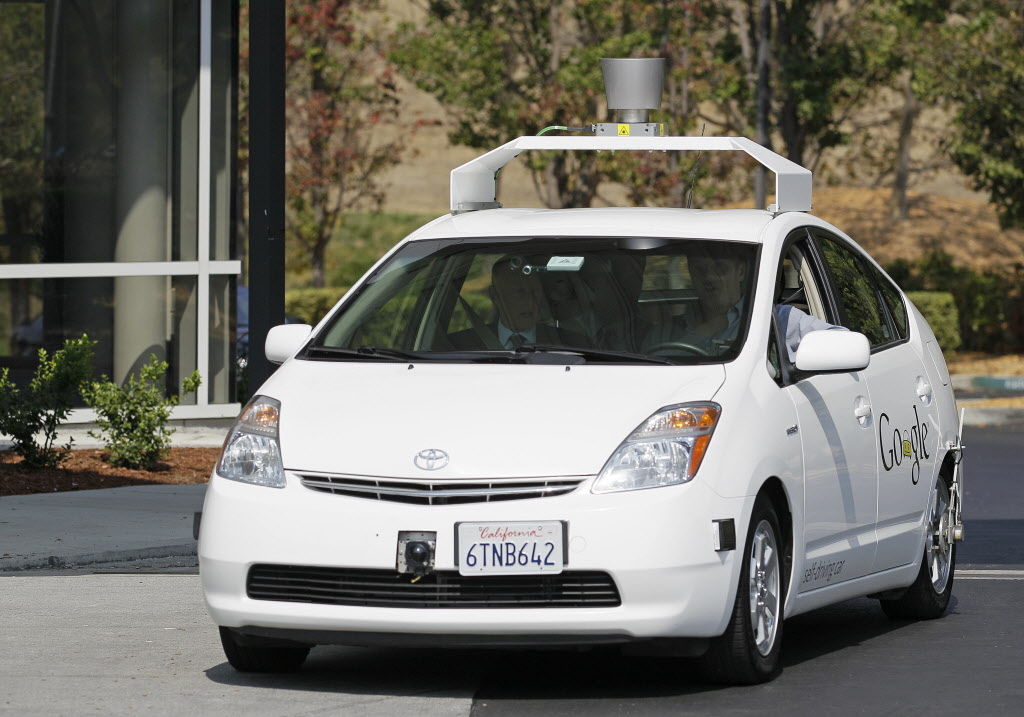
x=692, y=348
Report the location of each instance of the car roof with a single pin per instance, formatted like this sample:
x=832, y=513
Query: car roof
x=725, y=224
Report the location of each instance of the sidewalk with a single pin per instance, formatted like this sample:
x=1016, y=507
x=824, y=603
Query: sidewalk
x=58, y=530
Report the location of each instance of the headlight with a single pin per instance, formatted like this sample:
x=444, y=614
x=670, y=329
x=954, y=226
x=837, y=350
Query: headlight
x=252, y=452
x=665, y=450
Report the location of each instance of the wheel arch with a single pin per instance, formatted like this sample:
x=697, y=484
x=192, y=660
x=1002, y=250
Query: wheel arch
x=775, y=491
x=946, y=468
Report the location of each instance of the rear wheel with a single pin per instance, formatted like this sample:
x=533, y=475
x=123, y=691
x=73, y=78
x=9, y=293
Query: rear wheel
x=257, y=657
x=749, y=650
x=928, y=597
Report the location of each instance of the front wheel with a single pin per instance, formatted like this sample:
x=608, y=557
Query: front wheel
x=929, y=596
x=749, y=650
x=256, y=657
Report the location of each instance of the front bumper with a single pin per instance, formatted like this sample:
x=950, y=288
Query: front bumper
x=657, y=545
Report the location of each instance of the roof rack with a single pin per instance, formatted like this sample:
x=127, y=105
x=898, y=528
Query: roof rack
x=473, y=183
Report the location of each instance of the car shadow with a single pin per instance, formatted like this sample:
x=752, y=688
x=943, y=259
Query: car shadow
x=595, y=673
x=371, y=671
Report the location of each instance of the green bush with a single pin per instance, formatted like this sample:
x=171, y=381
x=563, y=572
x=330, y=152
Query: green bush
x=45, y=403
x=989, y=304
x=939, y=309
x=311, y=305
x=133, y=417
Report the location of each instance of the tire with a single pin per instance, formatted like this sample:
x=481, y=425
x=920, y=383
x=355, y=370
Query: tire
x=928, y=597
x=261, y=658
x=749, y=650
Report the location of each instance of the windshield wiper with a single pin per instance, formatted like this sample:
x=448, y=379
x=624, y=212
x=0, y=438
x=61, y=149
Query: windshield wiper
x=385, y=353
x=343, y=353
x=596, y=354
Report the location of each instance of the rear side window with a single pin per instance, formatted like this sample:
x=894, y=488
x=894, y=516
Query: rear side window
x=860, y=303
x=894, y=302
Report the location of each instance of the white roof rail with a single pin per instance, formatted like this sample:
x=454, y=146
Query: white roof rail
x=473, y=187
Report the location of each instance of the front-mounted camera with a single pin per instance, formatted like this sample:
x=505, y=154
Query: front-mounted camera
x=416, y=552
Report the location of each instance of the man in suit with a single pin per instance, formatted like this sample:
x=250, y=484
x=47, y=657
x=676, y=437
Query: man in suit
x=518, y=300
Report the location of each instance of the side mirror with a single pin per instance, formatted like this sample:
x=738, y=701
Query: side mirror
x=833, y=351
x=284, y=340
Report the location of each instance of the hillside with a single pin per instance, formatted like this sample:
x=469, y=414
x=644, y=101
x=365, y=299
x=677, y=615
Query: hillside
x=966, y=229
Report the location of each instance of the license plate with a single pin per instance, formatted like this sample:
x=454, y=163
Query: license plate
x=511, y=548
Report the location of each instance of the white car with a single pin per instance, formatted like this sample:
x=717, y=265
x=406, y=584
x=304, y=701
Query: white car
x=661, y=428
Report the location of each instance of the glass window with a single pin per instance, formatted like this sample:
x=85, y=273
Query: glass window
x=680, y=301
x=860, y=303
x=44, y=313
x=99, y=110
x=99, y=151
x=894, y=301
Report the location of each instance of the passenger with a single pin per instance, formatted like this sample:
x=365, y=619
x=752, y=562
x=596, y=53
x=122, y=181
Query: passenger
x=795, y=324
x=719, y=279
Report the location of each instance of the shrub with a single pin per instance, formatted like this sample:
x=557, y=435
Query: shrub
x=133, y=417
x=311, y=305
x=45, y=403
x=989, y=304
x=939, y=308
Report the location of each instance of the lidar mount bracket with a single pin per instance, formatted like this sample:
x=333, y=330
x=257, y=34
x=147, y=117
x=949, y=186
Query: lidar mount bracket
x=473, y=183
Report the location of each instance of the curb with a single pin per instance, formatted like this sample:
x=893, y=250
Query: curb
x=1004, y=417
x=54, y=562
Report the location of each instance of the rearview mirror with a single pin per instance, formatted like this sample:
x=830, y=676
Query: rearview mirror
x=832, y=351
x=283, y=341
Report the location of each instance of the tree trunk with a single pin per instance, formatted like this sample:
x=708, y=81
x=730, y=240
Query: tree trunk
x=898, y=204
x=764, y=98
x=789, y=124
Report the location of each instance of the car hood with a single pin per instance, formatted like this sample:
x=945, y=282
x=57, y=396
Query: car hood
x=493, y=421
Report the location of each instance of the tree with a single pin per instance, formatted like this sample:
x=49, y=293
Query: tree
x=340, y=89
x=504, y=68
x=21, y=147
x=986, y=83
x=901, y=39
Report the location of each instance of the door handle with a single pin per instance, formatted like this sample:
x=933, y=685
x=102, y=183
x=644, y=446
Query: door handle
x=862, y=410
x=924, y=390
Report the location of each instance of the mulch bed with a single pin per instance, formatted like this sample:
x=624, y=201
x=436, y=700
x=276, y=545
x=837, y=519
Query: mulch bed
x=88, y=469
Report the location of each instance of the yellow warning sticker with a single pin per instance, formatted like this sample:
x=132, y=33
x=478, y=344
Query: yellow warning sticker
x=623, y=130
x=661, y=129
x=907, y=448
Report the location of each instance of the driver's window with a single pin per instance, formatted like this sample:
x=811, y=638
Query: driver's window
x=798, y=286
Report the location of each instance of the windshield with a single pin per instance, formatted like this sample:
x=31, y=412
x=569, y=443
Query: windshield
x=596, y=299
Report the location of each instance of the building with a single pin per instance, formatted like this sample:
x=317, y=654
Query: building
x=118, y=140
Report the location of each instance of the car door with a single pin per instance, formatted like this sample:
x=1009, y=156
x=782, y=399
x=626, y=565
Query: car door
x=840, y=478
x=904, y=410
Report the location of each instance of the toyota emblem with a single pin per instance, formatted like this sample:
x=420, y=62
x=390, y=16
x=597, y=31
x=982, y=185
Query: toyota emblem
x=431, y=459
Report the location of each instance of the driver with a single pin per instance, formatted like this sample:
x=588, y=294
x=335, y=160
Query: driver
x=519, y=303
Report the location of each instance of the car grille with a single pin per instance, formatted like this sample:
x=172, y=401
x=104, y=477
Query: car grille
x=439, y=492
x=445, y=589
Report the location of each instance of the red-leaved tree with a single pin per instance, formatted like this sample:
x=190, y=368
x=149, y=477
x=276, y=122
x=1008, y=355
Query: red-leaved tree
x=340, y=89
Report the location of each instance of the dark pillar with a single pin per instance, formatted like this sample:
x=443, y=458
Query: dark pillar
x=266, y=180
